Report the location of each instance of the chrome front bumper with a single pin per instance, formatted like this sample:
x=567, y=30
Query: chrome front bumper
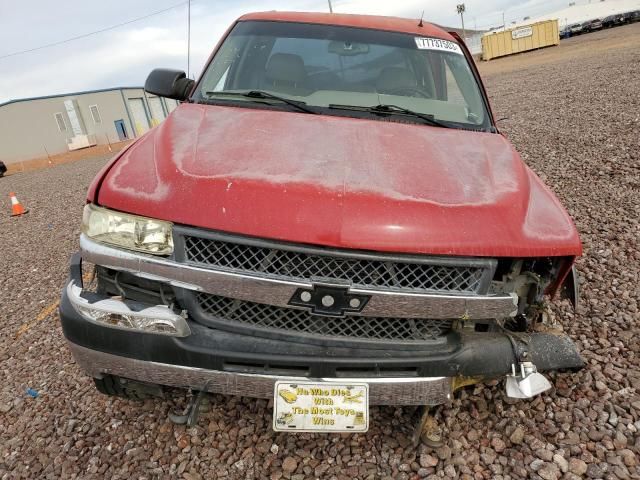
x=382, y=391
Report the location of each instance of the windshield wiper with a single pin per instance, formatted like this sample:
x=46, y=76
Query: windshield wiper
x=262, y=95
x=384, y=109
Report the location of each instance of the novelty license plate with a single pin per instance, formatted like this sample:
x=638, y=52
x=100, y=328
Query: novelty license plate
x=320, y=407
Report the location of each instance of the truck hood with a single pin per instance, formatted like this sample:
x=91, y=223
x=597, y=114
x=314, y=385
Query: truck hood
x=339, y=182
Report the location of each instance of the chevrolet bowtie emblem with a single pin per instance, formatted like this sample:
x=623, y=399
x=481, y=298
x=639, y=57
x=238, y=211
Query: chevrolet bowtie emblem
x=329, y=300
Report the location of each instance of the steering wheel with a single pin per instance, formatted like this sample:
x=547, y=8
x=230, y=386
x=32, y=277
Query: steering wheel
x=408, y=91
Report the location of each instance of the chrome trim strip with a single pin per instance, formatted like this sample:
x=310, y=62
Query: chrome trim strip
x=382, y=391
x=279, y=292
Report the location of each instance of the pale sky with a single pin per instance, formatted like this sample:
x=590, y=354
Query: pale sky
x=125, y=55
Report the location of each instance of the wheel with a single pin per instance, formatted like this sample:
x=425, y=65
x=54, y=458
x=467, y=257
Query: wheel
x=123, y=388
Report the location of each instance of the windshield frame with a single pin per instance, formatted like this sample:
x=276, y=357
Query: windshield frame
x=196, y=95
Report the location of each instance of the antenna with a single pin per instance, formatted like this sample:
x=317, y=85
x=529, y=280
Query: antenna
x=421, y=24
x=188, y=38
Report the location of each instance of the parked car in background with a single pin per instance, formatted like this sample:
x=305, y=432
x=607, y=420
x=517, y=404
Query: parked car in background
x=3, y=169
x=331, y=217
x=592, y=25
x=575, y=29
x=613, y=20
x=634, y=17
x=565, y=32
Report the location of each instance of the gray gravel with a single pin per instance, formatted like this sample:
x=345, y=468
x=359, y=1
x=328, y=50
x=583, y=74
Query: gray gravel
x=576, y=123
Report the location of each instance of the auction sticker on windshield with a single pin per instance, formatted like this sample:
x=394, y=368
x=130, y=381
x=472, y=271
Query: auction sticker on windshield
x=428, y=43
x=320, y=407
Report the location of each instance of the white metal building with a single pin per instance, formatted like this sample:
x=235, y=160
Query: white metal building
x=42, y=126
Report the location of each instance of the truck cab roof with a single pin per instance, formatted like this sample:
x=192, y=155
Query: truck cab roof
x=391, y=24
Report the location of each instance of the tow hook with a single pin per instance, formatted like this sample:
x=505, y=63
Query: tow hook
x=428, y=431
x=525, y=383
x=192, y=413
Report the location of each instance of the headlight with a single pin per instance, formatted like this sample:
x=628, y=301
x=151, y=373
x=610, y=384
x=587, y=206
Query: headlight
x=126, y=314
x=127, y=231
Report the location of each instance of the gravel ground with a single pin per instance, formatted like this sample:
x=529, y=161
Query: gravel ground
x=575, y=121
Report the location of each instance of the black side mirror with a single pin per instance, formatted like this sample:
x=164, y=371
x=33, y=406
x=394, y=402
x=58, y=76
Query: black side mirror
x=169, y=83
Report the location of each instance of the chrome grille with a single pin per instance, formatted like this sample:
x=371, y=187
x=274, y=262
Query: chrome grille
x=291, y=320
x=428, y=274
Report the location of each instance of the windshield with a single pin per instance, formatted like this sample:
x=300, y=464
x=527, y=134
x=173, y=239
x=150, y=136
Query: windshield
x=330, y=67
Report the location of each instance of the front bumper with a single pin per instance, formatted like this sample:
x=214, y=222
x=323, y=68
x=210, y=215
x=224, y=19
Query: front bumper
x=382, y=391
x=238, y=364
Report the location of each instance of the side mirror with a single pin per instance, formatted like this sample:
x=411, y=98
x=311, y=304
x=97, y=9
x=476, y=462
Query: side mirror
x=169, y=83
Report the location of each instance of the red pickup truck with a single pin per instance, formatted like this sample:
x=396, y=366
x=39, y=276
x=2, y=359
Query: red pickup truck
x=331, y=219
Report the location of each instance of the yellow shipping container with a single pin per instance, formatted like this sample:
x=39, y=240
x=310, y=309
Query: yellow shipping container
x=520, y=39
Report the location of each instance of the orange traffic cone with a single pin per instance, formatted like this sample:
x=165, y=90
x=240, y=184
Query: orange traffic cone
x=16, y=206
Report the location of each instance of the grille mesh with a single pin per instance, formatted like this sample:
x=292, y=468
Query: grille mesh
x=365, y=273
x=291, y=320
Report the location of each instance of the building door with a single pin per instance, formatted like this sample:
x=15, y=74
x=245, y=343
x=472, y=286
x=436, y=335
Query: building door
x=140, y=120
x=77, y=124
x=121, y=129
x=157, y=112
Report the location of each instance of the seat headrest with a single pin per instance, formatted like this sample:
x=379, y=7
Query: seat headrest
x=393, y=78
x=286, y=67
